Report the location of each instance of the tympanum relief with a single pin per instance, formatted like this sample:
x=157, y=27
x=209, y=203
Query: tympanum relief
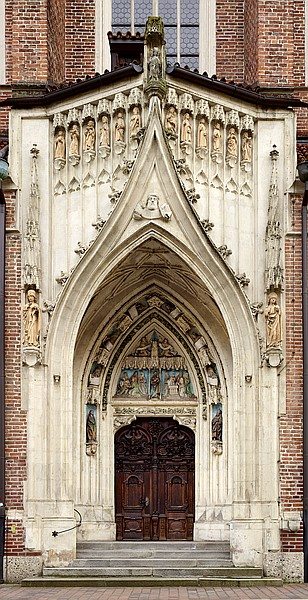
x=154, y=370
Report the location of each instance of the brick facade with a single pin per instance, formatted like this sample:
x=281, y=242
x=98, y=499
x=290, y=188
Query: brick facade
x=54, y=41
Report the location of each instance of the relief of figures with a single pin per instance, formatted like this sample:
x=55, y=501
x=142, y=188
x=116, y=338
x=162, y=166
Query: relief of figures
x=119, y=128
x=232, y=145
x=104, y=134
x=171, y=121
x=91, y=430
x=217, y=423
x=89, y=136
x=135, y=122
x=202, y=134
x=217, y=138
x=154, y=370
x=272, y=315
x=73, y=149
x=59, y=144
x=186, y=129
x=31, y=320
x=246, y=147
x=154, y=65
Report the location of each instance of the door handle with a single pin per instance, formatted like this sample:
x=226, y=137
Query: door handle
x=144, y=502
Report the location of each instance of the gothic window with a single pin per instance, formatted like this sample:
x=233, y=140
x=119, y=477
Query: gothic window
x=181, y=20
x=186, y=42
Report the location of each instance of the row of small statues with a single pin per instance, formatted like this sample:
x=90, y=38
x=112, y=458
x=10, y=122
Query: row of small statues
x=202, y=135
x=89, y=134
x=171, y=128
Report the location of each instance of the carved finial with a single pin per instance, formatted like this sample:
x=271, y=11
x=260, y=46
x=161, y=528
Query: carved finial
x=273, y=234
x=274, y=153
x=207, y=225
x=155, y=57
x=243, y=280
x=224, y=251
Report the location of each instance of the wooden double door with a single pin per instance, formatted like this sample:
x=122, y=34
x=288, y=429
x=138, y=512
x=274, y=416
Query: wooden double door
x=154, y=480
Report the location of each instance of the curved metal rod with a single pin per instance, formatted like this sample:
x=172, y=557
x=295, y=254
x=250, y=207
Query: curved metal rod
x=56, y=533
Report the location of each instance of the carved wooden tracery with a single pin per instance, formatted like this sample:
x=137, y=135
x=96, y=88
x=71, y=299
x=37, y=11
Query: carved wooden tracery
x=154, y=464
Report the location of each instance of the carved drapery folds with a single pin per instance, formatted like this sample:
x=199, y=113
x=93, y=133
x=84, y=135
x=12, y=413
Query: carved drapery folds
x=31, y=329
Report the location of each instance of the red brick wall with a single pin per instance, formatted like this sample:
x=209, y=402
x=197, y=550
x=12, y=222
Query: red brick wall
x=29, y=41
x=56, y=40
x=291, y=459
x=80, y=39
x=250, y=41
x=15, y=416
x=230, y=39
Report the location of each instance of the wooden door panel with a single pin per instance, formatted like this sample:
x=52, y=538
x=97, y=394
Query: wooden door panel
x=154, y=484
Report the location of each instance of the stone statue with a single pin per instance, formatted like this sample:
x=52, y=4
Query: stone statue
x=246, y=147
x=154, y=65
x=120, y=128
x=216, y=137
x=171, y=120
x=202, y=134
x=104, y=138
x=89, y=136
x=272, y=315
x=232, y=143
x=74, y=141
x=32, y=320
x=217, y=426
x=186, y=132
x=91, y=429
x=59, y=149
x=135, y=121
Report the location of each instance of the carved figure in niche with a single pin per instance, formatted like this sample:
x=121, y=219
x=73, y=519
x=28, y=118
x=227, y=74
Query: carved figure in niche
x=204, y=357
x=91, y=429
x=104, y=137
x=154, y=65
x=120, y=128
x=166, y=348
x=135, y=121
x=217, y=424
x=143, y=348
x=32, y=320
x=74, y=141
x=216, y=137
x=232, y=143
x=246, y=147
x=94, y=377
x=202, y=134
x=152, y=209
x=60, y=144
x=171, y=120
x=154, y=385
x=213, y=382
x=89, y=136
x=186, y=132
x=272, y=315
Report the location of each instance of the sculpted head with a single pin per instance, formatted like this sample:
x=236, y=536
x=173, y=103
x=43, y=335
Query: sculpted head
x=152, y=202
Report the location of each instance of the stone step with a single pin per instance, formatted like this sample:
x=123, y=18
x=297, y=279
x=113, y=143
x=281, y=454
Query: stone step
x=161, y=546
x=122, y=582
x=143, y=553
x=148, y=561
x=149, y=571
